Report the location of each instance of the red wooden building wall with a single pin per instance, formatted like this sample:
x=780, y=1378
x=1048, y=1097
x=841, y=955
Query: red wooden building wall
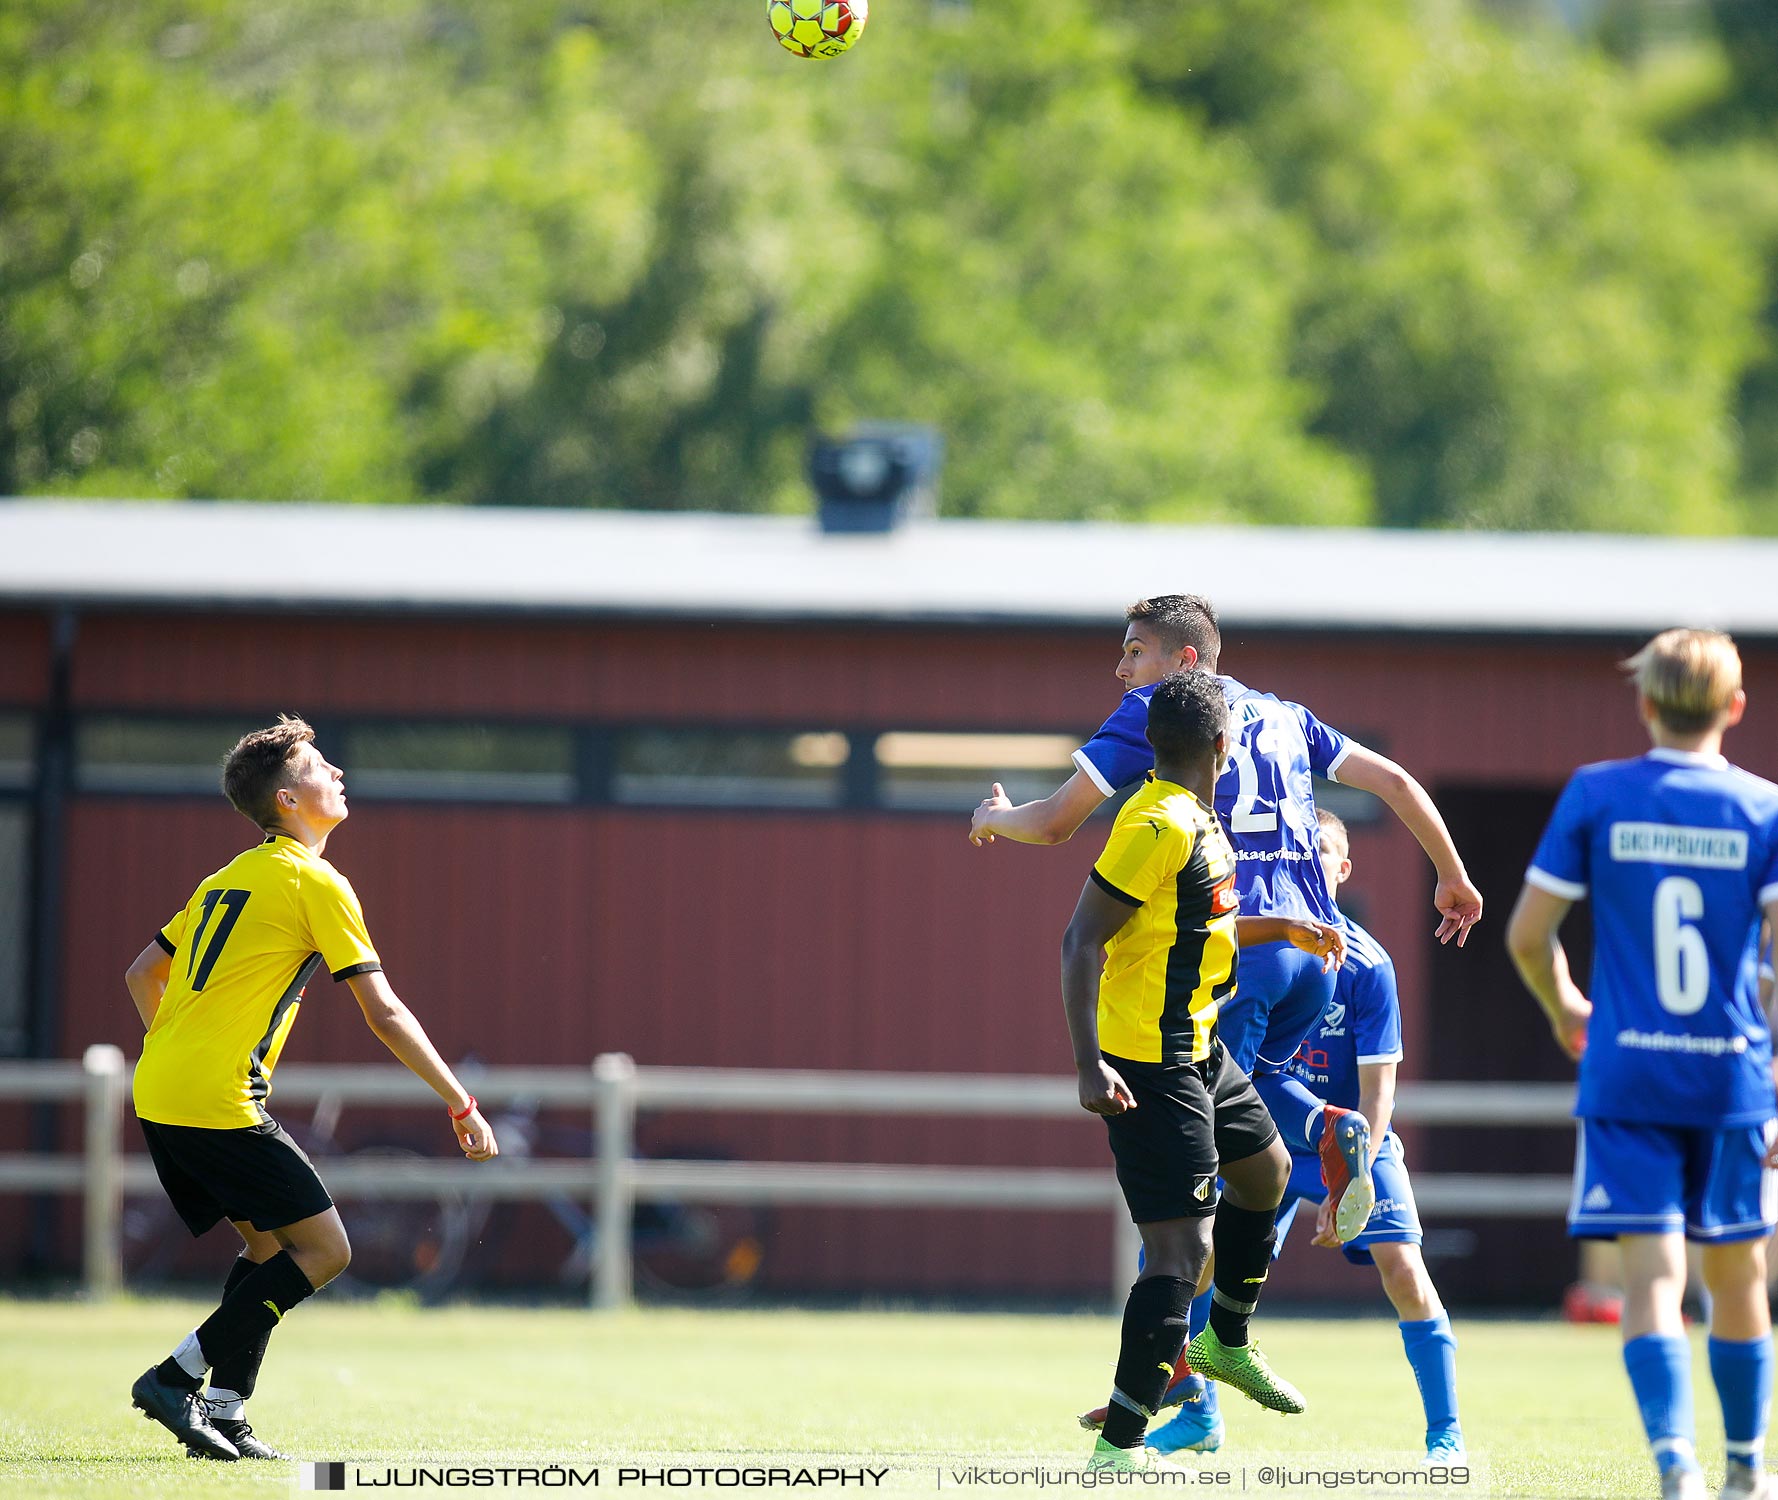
x=809, y=939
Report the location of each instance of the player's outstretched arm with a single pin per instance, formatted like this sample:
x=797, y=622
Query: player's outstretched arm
x=1542, y=962
x=1051, y=820
x=147, y=979
x=1459, y=903
x=1768, y=974
x=1768, y=993
x=1322, y=939
x=1376, y=1099
x=395, y=1027
x=1097, y=917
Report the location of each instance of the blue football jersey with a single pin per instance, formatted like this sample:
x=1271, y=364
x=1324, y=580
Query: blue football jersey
x=1266, y=797
x=1678, y=852
x=1362, y=1023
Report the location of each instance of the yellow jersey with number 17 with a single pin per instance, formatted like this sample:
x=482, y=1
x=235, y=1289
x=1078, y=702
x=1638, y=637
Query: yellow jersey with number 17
x=1172, y=965
x=251, y=937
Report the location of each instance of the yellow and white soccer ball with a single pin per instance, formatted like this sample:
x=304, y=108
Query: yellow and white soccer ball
x=817, y=28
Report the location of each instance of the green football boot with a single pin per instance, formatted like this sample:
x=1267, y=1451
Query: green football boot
x=1245, y=1369
x=1108, y=1458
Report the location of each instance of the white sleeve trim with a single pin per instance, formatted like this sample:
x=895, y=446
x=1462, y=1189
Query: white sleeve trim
x=1106, y=789
x=1333, y=766
x=1568, y=890
x=1383, y=1057
x=1768, y=893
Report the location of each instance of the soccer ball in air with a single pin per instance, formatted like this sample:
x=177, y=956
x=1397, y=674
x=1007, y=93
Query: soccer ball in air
x=817, y=28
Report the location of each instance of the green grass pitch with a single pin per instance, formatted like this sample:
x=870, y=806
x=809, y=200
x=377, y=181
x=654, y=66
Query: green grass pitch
x=1545, y=1404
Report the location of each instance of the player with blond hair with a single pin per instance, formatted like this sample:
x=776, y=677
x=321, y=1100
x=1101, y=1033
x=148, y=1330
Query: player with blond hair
x=1678, y=851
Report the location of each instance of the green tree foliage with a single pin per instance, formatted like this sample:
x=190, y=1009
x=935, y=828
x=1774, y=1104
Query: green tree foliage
x=1749, y=33
x=900, y=235
x=1356, y=261
x=1724, y=125
x=270, y=252
x=1516, y=321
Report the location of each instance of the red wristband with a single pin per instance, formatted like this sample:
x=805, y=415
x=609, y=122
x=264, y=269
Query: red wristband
x=468, y=1110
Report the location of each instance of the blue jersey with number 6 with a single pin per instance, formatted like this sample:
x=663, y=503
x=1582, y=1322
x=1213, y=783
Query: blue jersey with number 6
x=1265, y=798
x=1679, y=852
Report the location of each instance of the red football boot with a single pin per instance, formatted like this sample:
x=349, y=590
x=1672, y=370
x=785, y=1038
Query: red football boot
x=1174, y=1395
x=1346, y=1169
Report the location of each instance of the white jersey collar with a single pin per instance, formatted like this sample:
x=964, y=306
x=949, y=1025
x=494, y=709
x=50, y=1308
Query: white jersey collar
x=1689, y=758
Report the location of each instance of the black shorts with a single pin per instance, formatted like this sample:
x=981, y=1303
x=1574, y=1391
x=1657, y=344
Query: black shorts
x=256, y=1173
x=1189, y=1118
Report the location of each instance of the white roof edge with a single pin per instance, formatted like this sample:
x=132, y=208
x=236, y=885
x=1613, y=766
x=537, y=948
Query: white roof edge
x=438, y=559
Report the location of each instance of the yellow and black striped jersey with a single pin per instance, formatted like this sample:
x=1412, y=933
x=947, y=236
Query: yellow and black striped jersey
x=251, y=937
x=1172, y=965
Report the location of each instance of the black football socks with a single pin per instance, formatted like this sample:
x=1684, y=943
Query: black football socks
x=251, y=1311
x=1156, y=1317
x=1243, y=1238
x=235, y=1374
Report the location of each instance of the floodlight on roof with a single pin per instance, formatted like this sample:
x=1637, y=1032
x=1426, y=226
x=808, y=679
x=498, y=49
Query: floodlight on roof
x=876, y=476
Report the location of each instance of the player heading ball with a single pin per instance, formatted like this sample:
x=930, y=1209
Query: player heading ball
x=1148, y=959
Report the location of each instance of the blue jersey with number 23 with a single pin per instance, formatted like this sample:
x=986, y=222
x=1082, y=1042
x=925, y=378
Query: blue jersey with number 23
x=1265, y=798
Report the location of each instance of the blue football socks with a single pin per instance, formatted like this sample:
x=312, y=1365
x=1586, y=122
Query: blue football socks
x=1201, y=1393
x=1660, y=1369
x=1200, y=1312
x=1432, y=1356
x=1743, y=1375
x=1297, y=1111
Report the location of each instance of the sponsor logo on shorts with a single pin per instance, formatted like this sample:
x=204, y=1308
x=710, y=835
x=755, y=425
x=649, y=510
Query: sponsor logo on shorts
x=1597, y=1198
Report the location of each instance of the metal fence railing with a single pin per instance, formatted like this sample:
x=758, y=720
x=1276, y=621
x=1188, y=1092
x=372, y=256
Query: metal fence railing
x=613, y=1180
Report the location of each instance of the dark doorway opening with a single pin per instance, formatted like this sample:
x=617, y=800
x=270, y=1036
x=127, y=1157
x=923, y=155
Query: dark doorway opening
x=1484, y=1026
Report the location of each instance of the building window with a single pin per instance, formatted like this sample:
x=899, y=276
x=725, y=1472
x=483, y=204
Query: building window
x=460, y=762
x=18, y=752
x=951, y=772
x=1348, y=803
x=155, y=755
x=729, y=768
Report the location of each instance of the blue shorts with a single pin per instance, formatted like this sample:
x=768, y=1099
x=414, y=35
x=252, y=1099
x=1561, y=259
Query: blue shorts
x=1394, y=1221
x=1636, y=1178
x=1279, y=996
